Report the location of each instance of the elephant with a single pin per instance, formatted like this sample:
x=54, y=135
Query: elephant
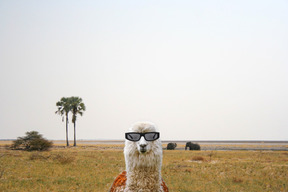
x=171, y=146
x=192, y=146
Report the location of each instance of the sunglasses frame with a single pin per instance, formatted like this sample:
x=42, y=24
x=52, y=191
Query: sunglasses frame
x=142, y=134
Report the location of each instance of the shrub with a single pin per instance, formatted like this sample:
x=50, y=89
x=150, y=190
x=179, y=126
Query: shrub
x=33, y=141
x=171, y=146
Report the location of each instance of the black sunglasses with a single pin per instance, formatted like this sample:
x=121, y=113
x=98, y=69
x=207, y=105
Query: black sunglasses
x=134, y=136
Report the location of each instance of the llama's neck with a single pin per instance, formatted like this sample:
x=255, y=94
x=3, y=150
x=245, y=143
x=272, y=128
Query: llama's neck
x=143, y=170
x=143, y=179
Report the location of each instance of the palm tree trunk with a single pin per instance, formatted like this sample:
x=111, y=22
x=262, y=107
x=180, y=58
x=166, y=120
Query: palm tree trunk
x=75, y=133
x=67, y=142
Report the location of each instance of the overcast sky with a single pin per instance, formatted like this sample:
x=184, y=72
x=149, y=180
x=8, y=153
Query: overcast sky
x=200, y=70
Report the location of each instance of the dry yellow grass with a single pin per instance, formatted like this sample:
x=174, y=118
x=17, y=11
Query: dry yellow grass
x=226, y=171
x=94, y=167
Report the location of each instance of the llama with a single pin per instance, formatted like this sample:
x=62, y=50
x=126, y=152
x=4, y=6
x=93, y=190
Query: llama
x=143, y=158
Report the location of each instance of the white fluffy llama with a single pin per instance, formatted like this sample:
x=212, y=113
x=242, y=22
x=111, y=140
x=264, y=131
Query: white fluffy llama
x=143, y=157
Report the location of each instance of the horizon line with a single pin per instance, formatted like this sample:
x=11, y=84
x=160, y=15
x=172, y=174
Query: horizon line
x=176, y=140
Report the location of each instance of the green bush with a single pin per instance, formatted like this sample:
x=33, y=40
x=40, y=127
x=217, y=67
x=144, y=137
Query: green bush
x=33, y=141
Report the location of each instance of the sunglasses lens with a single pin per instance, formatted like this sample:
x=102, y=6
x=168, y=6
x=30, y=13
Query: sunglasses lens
x=133, y=136
x=151, y=136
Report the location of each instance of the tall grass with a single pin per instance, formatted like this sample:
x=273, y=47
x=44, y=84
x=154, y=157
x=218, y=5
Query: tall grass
x=94, y=169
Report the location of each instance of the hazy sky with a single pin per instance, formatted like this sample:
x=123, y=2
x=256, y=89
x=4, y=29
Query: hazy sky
x=200, y=70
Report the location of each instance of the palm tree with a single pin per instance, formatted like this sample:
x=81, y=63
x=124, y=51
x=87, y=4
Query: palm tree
x=64, y=108
x=77, y=107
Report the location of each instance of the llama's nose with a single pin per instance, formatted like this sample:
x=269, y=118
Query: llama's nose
x=143, y=145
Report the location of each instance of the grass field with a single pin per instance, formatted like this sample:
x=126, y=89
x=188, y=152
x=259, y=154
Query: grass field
x=93, y=168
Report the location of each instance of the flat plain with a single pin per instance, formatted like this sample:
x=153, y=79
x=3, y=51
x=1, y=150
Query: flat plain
x=93, y=167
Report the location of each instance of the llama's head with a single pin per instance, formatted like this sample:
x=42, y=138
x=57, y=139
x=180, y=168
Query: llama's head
x=142, y=135
x=143, y=146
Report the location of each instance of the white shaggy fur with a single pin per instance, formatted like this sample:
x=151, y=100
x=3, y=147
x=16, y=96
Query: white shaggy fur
x=143, y=169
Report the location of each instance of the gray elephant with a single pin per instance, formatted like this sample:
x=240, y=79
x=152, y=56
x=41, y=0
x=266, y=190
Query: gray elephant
x=192, y=146
x=171, y=146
